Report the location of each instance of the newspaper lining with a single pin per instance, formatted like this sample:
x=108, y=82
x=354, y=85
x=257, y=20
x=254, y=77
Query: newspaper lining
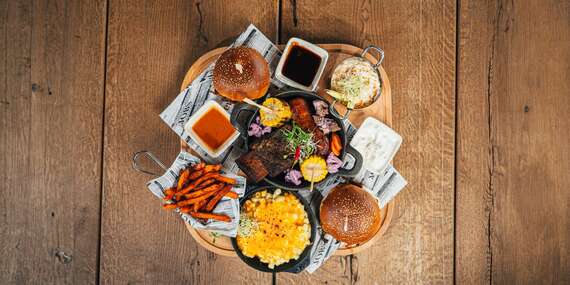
x=226, y=206
x=384, y=186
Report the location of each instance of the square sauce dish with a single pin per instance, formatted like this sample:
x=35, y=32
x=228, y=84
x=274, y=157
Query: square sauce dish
x=301, y=64
x=210, y=127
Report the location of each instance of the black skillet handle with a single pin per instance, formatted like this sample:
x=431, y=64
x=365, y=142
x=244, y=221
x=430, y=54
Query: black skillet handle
x=241, y=118
x=274, y=278
x=301, y=266
x=358, y=160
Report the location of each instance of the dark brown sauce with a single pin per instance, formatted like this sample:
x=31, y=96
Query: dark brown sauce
x=213, y=128
x=301, y=65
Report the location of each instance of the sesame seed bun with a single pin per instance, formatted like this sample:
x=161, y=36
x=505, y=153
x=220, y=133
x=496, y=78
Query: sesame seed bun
x=241, y=72
x=350, y=214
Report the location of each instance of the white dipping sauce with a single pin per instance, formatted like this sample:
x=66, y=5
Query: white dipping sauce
x=377, y=143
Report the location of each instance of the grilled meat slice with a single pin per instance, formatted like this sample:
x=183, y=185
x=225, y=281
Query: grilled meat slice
x=269, y=156
x=274, y=152
x=322, y=142
x=274, y=140
x=251, y=164
x=302, y=113
x=302, y=116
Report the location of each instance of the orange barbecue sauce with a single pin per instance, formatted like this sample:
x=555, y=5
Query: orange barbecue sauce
x=213, y=128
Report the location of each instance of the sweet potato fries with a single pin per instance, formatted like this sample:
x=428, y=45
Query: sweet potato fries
x=198, y=190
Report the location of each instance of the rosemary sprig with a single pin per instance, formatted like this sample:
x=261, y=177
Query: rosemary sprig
x=297, y=138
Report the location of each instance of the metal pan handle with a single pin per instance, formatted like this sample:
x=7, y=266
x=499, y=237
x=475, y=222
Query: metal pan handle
x=380, y=52
x=335, y=113
x=274, y=278
x=241, y=116
x=151, y=157
x=358, y=162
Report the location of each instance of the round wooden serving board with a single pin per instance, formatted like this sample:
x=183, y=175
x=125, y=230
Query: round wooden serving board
x=381, y=110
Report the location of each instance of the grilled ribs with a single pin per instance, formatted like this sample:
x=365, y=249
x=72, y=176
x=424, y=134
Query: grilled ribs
x=270, y=156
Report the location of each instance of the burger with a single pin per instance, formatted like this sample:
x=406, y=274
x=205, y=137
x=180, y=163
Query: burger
x=241, y=72
x=350, y=214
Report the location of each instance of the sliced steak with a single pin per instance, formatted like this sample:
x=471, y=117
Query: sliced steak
x=251, y=164
x=322, y=142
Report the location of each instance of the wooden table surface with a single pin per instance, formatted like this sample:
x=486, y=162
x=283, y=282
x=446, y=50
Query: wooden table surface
x=481, y=96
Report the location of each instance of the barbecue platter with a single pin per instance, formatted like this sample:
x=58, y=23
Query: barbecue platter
x=286, y=128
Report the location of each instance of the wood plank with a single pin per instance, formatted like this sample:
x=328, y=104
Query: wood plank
x=150, y=47
x=419, y=40
x=473, y=155
x=513, y=214
x=51, y=107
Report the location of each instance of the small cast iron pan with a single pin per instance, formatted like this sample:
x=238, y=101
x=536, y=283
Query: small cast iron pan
x=293, y=266
x=244, y=114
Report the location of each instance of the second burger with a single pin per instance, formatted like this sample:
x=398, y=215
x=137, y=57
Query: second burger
x=350, y=214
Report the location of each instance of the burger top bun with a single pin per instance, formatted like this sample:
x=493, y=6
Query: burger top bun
x=241, y=72
x=350, y=214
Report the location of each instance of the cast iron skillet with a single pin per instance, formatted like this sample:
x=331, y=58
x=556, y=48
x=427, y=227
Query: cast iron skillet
x=243, y=115
x=293, y=266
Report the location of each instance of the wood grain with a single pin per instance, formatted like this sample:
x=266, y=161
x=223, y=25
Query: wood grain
x=51, y=107
x=150, y=47
x=474, y=200
x=419, y=40
x=513, y=199
x=513, y=214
